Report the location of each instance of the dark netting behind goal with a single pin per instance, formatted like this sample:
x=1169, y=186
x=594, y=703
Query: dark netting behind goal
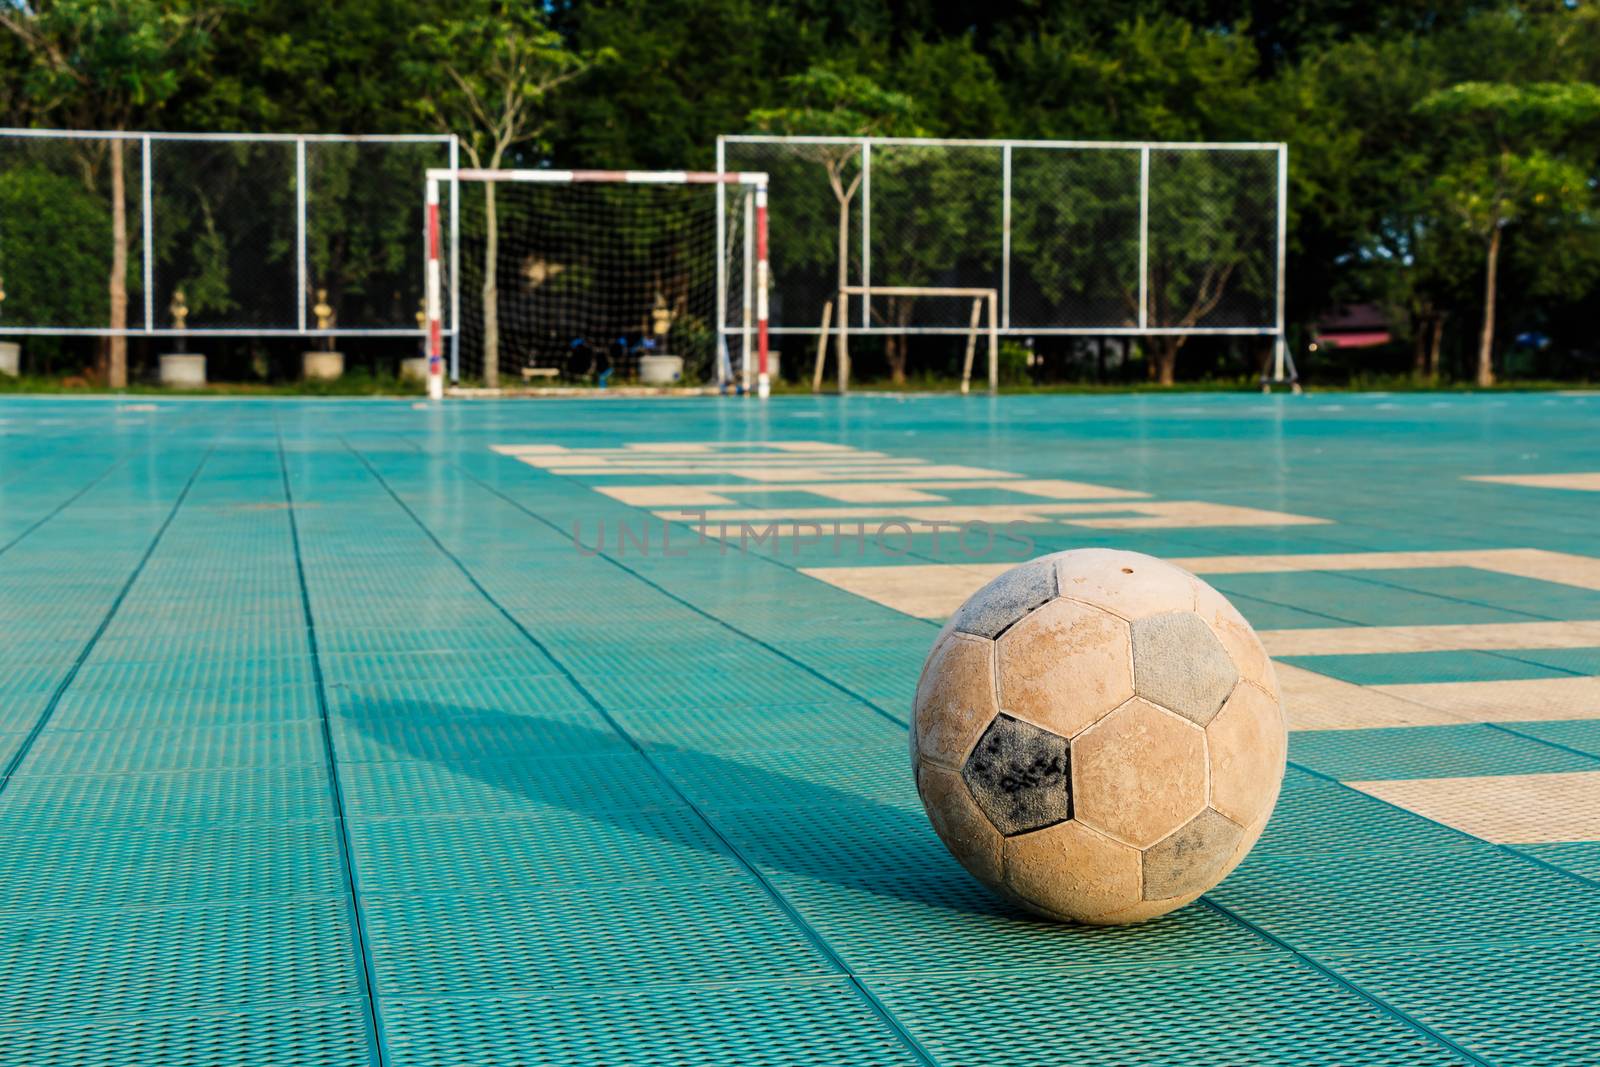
x=572, y=280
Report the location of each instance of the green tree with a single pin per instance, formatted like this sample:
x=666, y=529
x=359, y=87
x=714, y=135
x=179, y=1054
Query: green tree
x=298, y=66
x=1506, y=167
x=486, y=72
x=831, y=100
x=52, y=226
x=1210, y=214
x=107, y=64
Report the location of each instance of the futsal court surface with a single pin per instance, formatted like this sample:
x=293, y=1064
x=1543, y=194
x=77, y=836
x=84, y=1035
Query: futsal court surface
x=323, y=740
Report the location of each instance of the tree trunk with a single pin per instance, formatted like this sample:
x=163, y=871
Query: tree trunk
x=1164, y=351
x=1421, y=329
x=117, y=348
x=1486, y=339
x=896, y=347
x=843, y=308
x=894, y=352
x=491, y=290
x=1435, y=343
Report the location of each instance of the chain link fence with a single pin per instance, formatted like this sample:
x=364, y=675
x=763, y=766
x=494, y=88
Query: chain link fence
x=256, y=231
x=1087, y=238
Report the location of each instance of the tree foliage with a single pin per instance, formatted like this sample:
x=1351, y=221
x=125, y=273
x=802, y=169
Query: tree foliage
x=1433, y=143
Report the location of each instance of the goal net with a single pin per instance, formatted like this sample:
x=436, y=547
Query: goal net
x=603, y=276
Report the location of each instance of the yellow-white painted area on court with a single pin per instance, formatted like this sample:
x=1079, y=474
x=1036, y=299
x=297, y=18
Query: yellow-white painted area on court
x=1587, y=481
x=1315, y=701
x=1510, y=809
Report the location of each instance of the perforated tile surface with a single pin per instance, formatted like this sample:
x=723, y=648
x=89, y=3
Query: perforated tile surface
x=322, y=743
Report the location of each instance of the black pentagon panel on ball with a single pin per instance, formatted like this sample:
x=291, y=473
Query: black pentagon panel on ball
x=1019, y=776
x=994, y=608
x=1179, y=664
x=1188, y=859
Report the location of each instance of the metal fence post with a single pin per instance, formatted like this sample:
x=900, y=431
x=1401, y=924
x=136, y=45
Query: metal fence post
x=866, y=234
x=722, y=267
x=1283, y=246
x=455, y=262
x=747, y=290
x=148, y=208
x=1005, y=236
x=1144, y=238
x=300, y=230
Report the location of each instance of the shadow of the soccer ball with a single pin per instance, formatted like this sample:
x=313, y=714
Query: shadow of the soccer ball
x=792, y=830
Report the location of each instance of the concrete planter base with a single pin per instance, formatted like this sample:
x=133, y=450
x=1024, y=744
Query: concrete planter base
x=660, y=370
x=321, y=366
x=183, y=371
x=414, y=369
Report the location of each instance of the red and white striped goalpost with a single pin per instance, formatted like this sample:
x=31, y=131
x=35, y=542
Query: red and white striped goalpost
x=753, y=180
x=435, y=294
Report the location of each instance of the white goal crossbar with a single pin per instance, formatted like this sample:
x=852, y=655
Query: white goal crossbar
x=753, y=180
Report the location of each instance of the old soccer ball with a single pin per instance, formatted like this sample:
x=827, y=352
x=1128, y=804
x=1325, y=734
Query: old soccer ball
x=1098, y=735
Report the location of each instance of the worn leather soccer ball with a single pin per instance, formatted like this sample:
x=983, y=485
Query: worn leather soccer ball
x=1098, y=735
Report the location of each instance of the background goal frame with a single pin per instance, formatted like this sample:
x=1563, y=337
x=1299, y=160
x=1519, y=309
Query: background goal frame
x=1148, y=173
x=983, y=300
x=145, y=312
x=753, y=334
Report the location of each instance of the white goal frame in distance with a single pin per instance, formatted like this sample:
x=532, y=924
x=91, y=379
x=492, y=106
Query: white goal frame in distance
x=981, y=299
x=142, y=183
x=752, y=180
x=1282, y=366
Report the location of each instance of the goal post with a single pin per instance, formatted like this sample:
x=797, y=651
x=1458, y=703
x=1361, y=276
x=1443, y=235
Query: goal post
x=983, y=300
x=599, y=268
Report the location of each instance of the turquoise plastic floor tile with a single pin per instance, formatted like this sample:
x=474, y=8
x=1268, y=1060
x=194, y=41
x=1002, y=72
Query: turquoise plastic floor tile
x=373, y=728
x=1579, y=857
x=1278, y=1010
x=78, y=964
x=1357, y=599
x=276, y=745
x=110, y=867
x=810, y=778
x=1400, y=668
x=1517, y=1005
x=720, y=728
x=1580, y=734
x=278, y=796
x=1508, y=592
x=513, y=784
x=1375, y=901
x=781, y=1025
x=1317, y=817
x=111, y=709
x=1429, y=752
x=291, y=1035
x=654, y=932
x=501, y=853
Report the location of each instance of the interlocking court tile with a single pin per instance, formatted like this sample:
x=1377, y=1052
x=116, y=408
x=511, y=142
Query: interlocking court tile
x=1317, y=702
x=1505, y=809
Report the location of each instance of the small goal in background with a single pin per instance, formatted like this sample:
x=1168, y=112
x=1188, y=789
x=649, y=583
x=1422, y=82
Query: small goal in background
x=586, y=274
